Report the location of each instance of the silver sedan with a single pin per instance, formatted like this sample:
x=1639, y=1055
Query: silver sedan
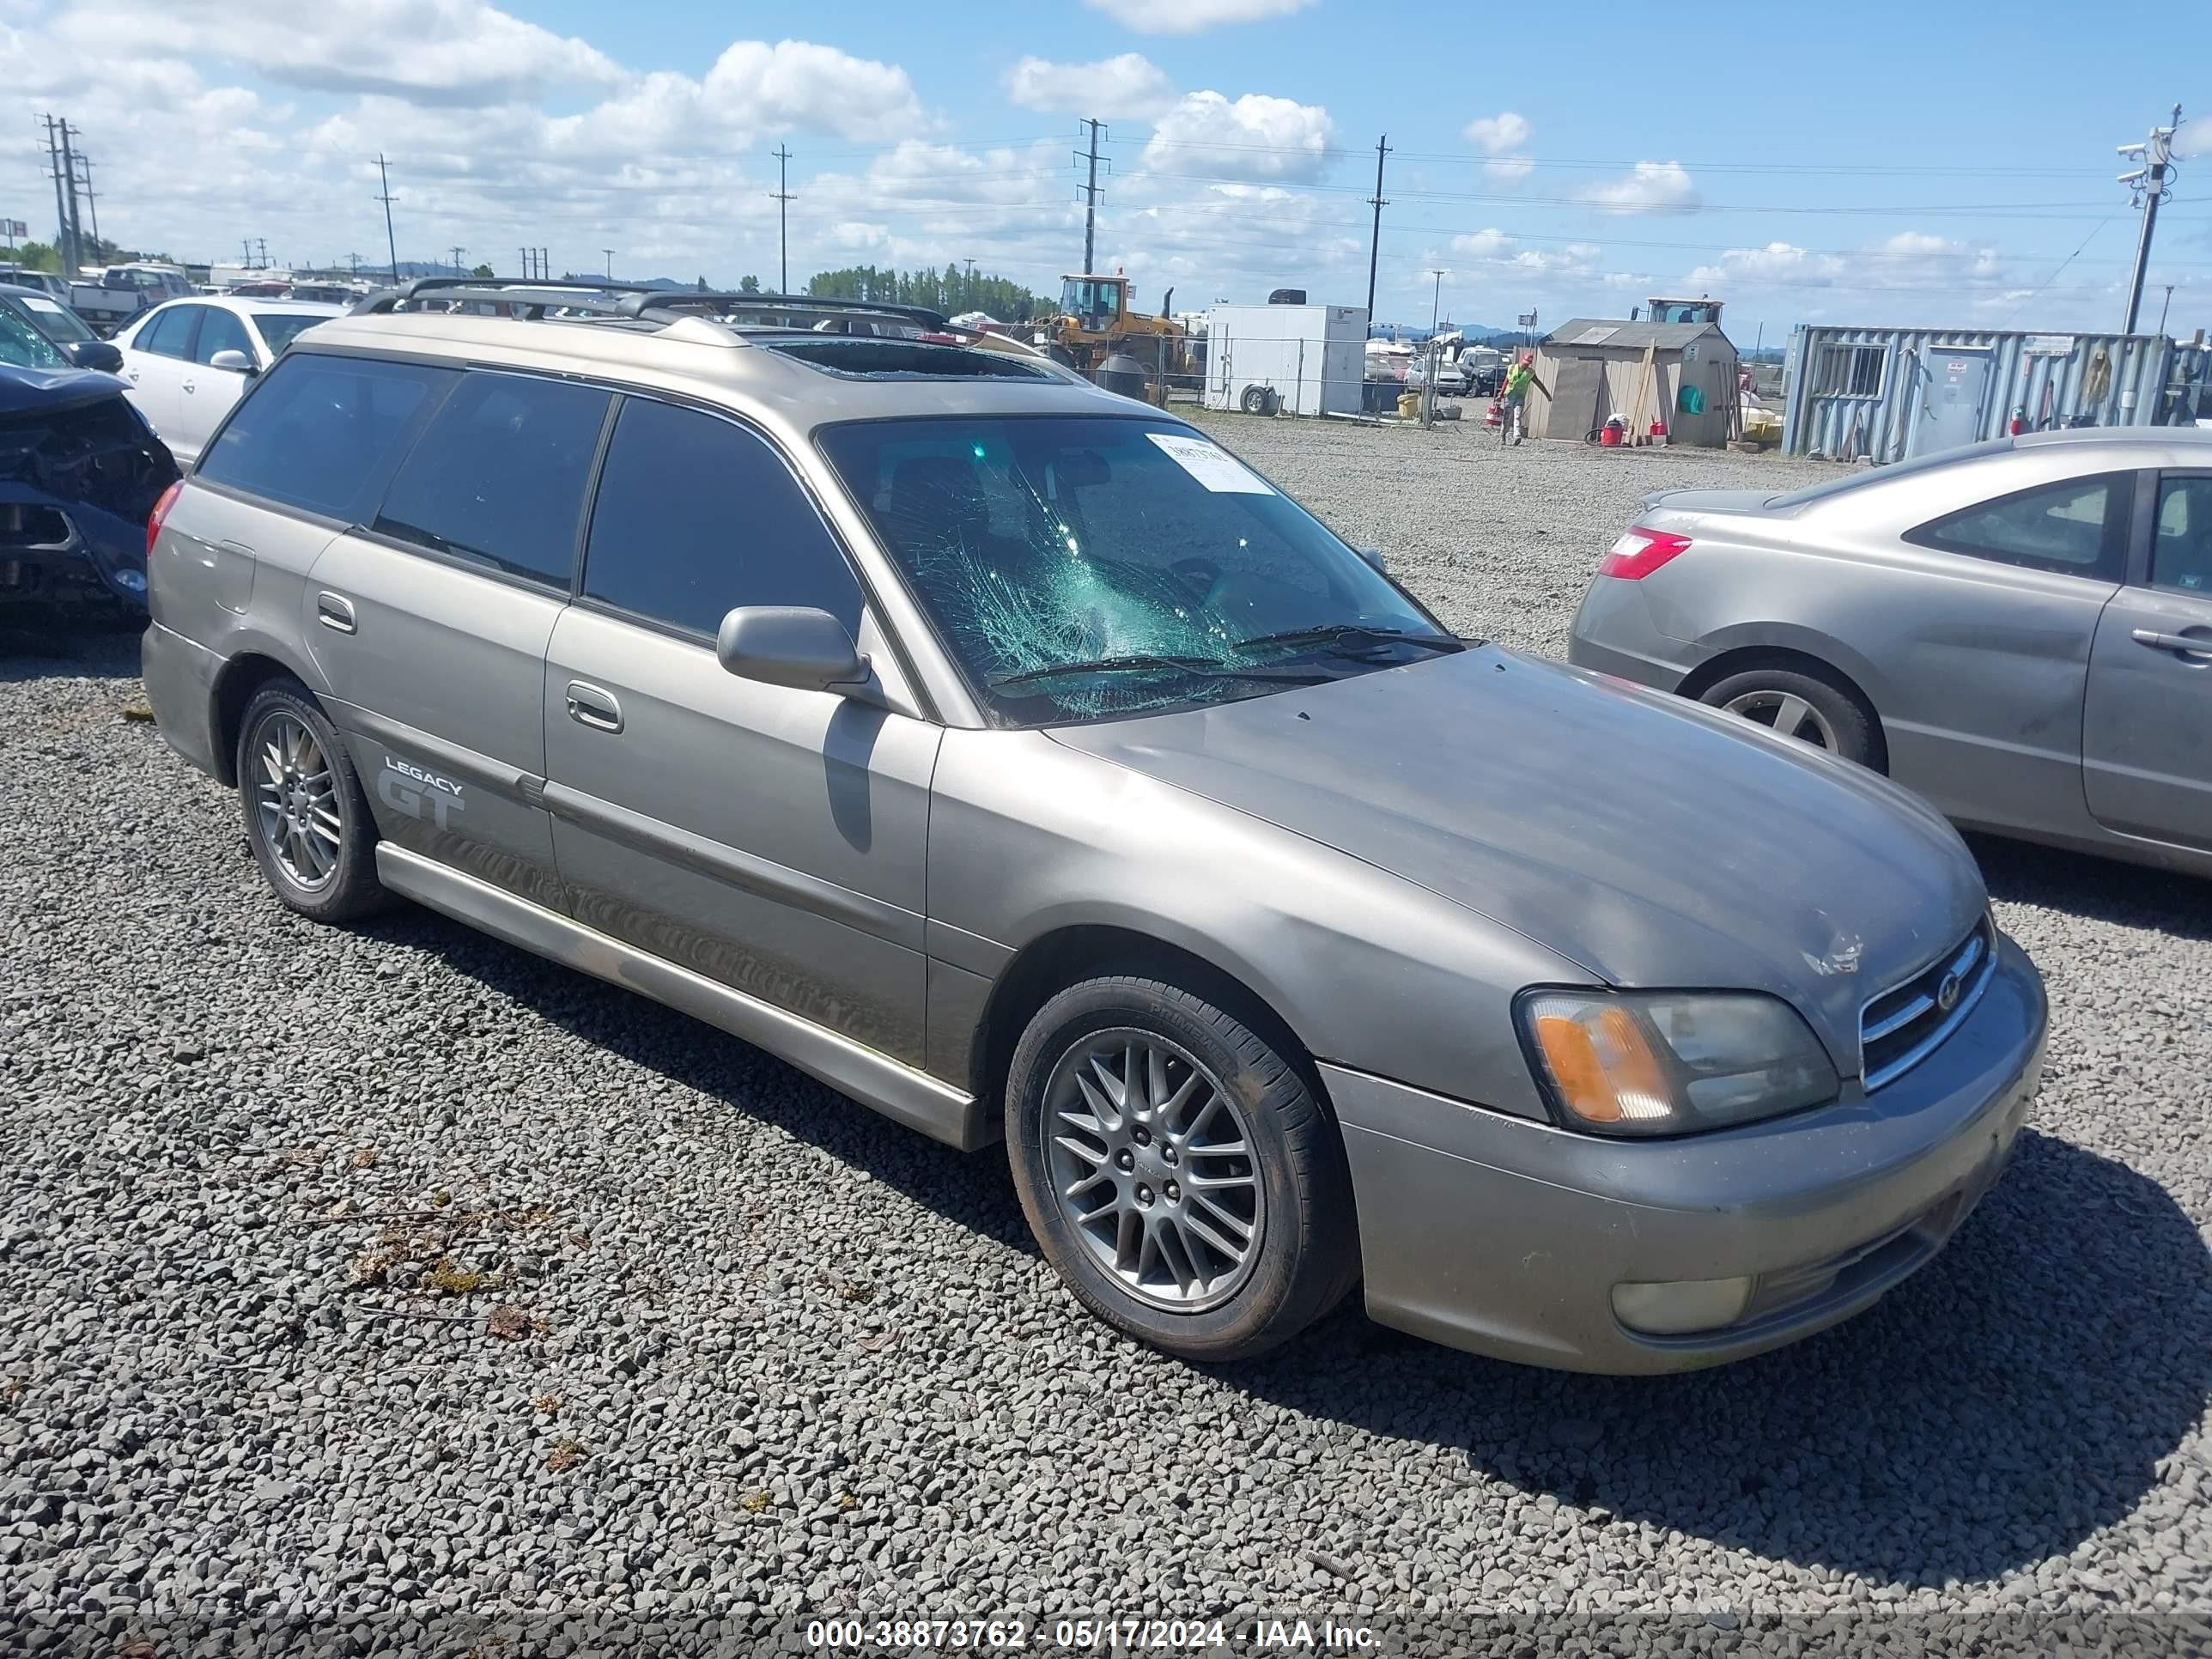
x=2020, y=630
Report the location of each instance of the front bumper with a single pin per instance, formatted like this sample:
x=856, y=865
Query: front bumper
x=1505, y=1236
x=1613, y=634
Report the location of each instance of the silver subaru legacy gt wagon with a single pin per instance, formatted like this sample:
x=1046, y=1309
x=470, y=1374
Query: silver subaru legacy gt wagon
x=1009, y=756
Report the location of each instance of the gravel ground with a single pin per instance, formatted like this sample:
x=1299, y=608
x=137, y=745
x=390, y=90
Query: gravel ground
x=392, y=1276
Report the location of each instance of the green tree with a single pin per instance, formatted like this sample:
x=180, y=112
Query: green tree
x=749, y=285
x=483, y=270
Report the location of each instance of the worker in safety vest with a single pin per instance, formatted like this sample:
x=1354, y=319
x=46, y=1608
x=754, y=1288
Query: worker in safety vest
x=1518, y=380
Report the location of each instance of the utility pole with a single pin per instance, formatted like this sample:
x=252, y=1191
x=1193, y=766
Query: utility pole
x=782, y=194
x=1091, y=198
x=1375, y=237
x=61, y=208
x=262, y=242
x=353, y=266
x=73, y=229
x=92, y=198
x=969, y=293
x=2156, y=154
x=609, y=253
x=2164, y=306
x=1429, y=390
x=246, y=243
x=390, y=240
x=456, y=250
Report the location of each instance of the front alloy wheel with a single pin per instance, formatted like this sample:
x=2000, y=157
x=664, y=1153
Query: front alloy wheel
x=1177, y=1169
x=1151, y=1166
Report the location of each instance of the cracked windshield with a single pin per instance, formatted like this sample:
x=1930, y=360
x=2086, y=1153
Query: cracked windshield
x=1090, y=567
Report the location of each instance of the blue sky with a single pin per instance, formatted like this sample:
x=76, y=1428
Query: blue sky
x=1877, y=162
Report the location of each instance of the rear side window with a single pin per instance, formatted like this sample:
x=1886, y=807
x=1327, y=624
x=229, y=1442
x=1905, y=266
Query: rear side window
x=170, y=334
x=696, y=515
x=323, y=433
x=498, y=478
x=2077, y=527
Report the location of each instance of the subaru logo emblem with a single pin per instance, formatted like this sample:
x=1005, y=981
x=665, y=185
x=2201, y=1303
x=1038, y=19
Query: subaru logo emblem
x=1947, y=994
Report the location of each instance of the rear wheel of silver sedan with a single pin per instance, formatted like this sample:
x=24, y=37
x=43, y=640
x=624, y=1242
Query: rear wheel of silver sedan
x=307, y=818
x=1800, y=706
x=1177, y=1170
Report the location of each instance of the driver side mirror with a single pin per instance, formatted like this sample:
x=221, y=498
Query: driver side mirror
x=236, y=361
x=792, y=645
x=97, y=353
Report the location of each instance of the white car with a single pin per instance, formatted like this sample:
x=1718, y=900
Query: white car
x=187, y=361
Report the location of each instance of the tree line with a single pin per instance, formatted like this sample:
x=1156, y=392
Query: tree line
x=951, y=290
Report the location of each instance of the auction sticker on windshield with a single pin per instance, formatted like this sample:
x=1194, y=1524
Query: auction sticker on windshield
x=1212, y=465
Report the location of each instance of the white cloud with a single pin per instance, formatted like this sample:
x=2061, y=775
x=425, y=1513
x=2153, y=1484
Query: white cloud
x=1649, y=187
x=1190, y=16
x=1508, y=167
x=1486, y=244
x=1255, y=136
x=795, y=85
x=427, y=51
x=1910, y=260
x=1494, y=135
x=1130, y=86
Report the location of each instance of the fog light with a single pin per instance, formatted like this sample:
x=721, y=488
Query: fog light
x=1678, y=1306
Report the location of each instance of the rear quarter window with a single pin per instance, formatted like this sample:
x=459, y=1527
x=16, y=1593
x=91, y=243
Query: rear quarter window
x=323, y=433
x=2074, y=527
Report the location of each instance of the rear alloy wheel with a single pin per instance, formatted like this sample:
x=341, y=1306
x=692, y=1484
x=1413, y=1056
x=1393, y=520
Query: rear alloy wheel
x=1177, y=1170
x=1799, y=706
x=307, y=818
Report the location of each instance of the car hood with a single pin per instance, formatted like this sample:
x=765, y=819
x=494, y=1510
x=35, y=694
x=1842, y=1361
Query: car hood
x=1652, y=841
x=23, y=391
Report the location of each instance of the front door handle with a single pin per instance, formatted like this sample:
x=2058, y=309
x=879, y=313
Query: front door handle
x=2186, y=644
x=589, y=706
x=334, y=613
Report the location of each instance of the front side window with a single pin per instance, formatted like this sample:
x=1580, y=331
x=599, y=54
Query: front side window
x=695, y=516
x=2181, y=548
x=220, y=331
x=2077, y=527
x=1078, y=568
x=322, y=432
x=22, y=346
x=170, y=333
x=498, y=476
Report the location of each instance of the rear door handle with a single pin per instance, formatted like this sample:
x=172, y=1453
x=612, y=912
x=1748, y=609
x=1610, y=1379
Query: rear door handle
x=334, y=613
x=2187, y=645
x=589, y=706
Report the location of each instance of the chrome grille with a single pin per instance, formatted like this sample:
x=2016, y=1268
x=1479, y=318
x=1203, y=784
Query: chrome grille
x=1902, y=1026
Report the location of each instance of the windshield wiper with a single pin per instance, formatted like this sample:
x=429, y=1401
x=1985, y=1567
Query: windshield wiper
x=1209, y=666
x=1345, y=633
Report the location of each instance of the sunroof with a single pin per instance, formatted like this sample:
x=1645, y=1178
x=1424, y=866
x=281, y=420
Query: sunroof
x=862, y=358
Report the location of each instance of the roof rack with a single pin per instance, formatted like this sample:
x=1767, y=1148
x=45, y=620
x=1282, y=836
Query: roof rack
x=534, y=298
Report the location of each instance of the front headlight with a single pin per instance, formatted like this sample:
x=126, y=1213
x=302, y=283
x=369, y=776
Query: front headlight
x=1668, y=1062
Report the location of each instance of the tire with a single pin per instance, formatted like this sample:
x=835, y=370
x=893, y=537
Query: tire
x=1254, y=400
x=277, y=715
x=1291, y=1195
x=1831, y=718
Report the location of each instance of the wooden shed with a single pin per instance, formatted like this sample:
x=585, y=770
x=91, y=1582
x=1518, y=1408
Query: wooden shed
x=1593, y=366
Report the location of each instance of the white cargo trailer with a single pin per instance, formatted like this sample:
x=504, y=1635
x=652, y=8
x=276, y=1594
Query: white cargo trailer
x=1311, y=357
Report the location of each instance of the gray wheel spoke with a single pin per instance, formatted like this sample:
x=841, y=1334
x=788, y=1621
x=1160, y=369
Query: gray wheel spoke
x=297, y=810
x=1790, y=715
x=1177, y=1221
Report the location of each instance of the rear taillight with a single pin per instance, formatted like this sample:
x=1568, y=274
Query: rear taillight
x=161, y=511
x=1639, y=552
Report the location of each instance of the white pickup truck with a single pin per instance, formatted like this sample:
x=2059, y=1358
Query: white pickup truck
x=108, y=300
